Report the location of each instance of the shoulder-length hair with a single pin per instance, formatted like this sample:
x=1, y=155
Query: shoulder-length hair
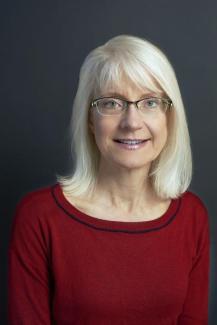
x=146, y=66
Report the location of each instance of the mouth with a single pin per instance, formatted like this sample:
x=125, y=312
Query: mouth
x=131, y=144
x=131, y=141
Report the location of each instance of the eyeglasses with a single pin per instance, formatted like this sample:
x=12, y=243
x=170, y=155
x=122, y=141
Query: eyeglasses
x=115, y=106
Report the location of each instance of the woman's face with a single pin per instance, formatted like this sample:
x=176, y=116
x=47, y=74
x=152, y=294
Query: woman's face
x=108, y=131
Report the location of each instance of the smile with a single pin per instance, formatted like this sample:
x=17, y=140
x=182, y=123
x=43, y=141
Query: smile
x=131, y=144
x=129, y=141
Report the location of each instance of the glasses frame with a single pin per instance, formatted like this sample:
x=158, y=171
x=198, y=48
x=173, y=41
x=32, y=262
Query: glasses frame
x=128, y=102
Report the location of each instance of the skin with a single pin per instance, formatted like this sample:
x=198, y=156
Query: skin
x=123, y=187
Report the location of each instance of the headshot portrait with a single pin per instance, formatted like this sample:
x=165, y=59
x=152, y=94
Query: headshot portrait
x=112, y=220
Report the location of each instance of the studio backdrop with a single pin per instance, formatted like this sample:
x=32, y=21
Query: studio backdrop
x=44, y=44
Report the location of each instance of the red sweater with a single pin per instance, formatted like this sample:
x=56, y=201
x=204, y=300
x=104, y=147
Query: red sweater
x=66, y=267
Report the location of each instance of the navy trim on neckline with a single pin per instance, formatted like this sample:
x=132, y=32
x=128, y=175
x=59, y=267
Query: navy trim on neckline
x=136, y=227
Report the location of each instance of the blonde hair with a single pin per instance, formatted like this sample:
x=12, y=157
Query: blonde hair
x=146, y=66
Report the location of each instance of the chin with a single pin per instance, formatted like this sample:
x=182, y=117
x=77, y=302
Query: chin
x=130, y=165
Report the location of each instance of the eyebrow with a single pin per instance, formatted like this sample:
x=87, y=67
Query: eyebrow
x=118, y=95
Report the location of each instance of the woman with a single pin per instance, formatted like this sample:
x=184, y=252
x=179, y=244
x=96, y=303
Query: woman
x=121, y=240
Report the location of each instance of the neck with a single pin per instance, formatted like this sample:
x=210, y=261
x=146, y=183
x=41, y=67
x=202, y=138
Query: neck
x=126, y=189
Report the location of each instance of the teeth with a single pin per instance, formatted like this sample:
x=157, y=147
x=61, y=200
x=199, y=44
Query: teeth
x=130, y=141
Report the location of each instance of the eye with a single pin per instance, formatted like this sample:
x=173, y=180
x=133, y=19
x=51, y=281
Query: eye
x=110, y=103
x=152, y=102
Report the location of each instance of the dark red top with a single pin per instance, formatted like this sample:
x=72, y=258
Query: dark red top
x=66, y=267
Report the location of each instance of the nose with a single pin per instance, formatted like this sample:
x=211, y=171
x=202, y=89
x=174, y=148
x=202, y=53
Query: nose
x=131, y=119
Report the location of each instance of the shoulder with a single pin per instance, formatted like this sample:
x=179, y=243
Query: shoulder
x=31, y=220
x=193, y=199
x=34, y=204
x=193, y=206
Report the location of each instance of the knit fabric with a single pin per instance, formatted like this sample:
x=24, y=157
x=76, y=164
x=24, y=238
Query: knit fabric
x=67, y=267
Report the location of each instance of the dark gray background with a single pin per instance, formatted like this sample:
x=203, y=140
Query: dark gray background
x=43, y=45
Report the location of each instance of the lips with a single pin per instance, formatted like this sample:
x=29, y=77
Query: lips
x=130, y=141
x=131, y=144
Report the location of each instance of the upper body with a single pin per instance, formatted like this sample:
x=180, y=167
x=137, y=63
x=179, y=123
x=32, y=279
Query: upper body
x=67, y=267
x=132, y=170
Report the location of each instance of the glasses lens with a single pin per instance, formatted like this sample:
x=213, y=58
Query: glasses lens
x=153, y=105
x=109, y=106
x=150, y=104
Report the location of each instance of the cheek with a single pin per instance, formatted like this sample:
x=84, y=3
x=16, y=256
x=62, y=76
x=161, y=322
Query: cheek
x=160, y=133
x=163, y=136
x=102, y=132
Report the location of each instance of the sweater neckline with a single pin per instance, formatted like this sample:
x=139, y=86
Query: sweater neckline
x=111, y=225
